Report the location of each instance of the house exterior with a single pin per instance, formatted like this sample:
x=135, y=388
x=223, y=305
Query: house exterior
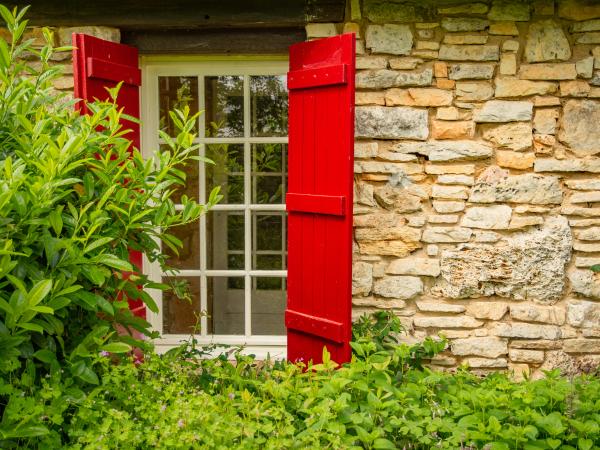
x=475, y=166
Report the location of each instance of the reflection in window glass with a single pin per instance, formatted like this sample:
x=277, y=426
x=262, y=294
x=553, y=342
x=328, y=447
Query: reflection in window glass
x=227, y=171
x=175, y=93
x=225, y=305
x=189, y=254
x=269, y=105
x=268, y=306
x=225, y=240
x=269, y=173
x=224, y=106
x=180, y=316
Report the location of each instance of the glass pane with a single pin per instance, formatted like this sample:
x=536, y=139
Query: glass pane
x=227, y=171
x=175, y=93
x=225, y=240
x=225, y=305
x=268, y=306
x=267, y=231
x=189, y=255
x=269, y=165
x=269, y=105
x=269, y=262
x=191, y=184
x=180, y=316
x=224, y=108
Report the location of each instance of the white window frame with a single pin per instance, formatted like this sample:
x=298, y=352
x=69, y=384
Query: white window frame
x=152, y=68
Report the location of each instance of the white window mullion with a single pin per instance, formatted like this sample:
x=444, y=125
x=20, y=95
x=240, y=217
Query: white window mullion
x=202, y=221
x=247, y=211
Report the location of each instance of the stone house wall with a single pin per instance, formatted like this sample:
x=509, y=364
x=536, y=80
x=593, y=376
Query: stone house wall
x=476, y=168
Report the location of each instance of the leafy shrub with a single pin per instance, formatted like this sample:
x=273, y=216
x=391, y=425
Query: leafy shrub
x=74, y=200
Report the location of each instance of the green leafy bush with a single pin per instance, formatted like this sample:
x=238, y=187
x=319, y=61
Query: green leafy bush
x=74, y=200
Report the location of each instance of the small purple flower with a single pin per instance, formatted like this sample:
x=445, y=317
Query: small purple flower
x=163, y=408
x=180, y=423
x=231, y=396
x=104, y=353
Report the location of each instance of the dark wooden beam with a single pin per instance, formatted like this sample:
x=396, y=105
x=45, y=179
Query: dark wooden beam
x=184, y=14
x=224, y=41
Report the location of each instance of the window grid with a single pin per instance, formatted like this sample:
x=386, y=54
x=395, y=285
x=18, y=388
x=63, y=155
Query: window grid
x=247, y=208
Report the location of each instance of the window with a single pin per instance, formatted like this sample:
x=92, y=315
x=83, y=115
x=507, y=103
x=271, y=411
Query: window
x=234, y=259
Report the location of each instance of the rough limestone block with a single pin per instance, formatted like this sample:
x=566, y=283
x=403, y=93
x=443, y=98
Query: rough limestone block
x=391, y=122
x=320, y=30
x=510, y=10
x=528, y=188
x=470, y=71
x=552, y=315
x=469, y=52
x=516, y=136
x=546, y=41
x=362, y=278
x=487, y=347
x=504, y=111
x=106, y=33
x=579, y=129
x=401, y=287
x=389, y=38
x=495, y=217
x=583, y=314
x=414, y=266
x=513, y=87
x=548, y=71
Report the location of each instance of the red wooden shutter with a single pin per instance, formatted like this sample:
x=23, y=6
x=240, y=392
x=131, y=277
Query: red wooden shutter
x=98, y=64
x=319, y=199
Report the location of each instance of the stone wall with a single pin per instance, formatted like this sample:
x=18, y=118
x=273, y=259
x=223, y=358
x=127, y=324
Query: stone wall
x=477, y=143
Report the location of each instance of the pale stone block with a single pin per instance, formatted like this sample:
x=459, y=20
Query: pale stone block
x=469, y=52
x=106, y=33
x=362, y=278
x=416, y=221
x=508, y=64
x=484, y=363
x=447, y=322
x=513, y=87
x=464, y=24
x=526, y=331
x=567, y=165
x=427, y=45
x=440, y=235
x=489, y=310
x=488, y=347
x=444, y=83
x=320, y=30
x=389, y=38
x=527, y=188
x=443, y=219
x=583, y=185
x=440, y=69
x=449, y=192
x=520, y=222
x=448, y=207
x=582, y=346
x=486, y=236
x=588, y=25
x=473, y=91
x=400, y=287
x=546, y=101
x=487, y=217
x=465, y=39
x=510, y=46
x=585, y=67
x=516, y=136
x=456, y=179
x=548, y=71
x=378, y=303
x=535, y=345
x=383, y=78
x=583, y=314
x=586, y=247
x=553, y=315
x=425, y=34
x=452, y=130
x=515, y=160
x=471, y=71
x=405, y=63
x=415, y=266
x=365, y=149
x=418, y=97
x=369, y=98
x=352, y=27
x=580, y=130
x=371, y=62
x=391, y=123
x=588, y=38
x=526, y=356
x=585, y=197
x=546, y=41
x=437, y=169
x=504, y=29
x=504, y=111
x=447, y=113
x=432, y=250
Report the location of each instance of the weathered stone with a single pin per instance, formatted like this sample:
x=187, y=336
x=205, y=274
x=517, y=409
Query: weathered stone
x=526, y=356
x=578, y=9
x=446, y=235
x=442, y=129
x=519, y=222
x=557, y=71
x=320, y=30
x=504, y=29
x=465, y=39
x=391, y=122
x=446, y=150
x=552, y=315
x=585, y=282
x=400, y=287
x=544, y=121
x=513, y=268
x=546, y=101
x=390, y=232
x=427, y=45
x=582, y=346
x=365, y=149
x=469, y=8
x=369, y=98
x=379, y=303
x=487, y=310
x=378, y=220
x=414, y=266
x=510, y=46
x=546, y=41
x=429, y=306
x=456, y=179
x=448, y=207
x=515, y=160
x=384, y=78
x=567, y=165
x=394, y=197
x=585, y=197
x=536, y=345
x=469, y=71
x=487, y=217
x=586, y=262
x=362, y=278
x=504, y=111
x=526, y=331
x=513, y=87
x=595, y=81
x=387, y=167
x=527, y=188
x=405, y=63
x=588, y=38
x=583, y=185
x=484, y=363
x=515, y=136
x=389, y=38
x=469, y=52
x=418, y=97
x=508, y=64
x=579, y=129
x=574, y=88
x=441, y=169
x=363, y=194
x=486, y=236
x=445, y=83
x=443, y=219
x=488, y=347
x=106, y=33
x=583, y=314
x=586, y=247
x=449, y=192
x=464, y=24
x=588, y=25
x=381, y=11
x=447, y=322
x=473, y=91
x=509, y=10
x=585, y=67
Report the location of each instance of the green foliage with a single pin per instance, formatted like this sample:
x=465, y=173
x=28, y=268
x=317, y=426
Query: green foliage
x=74, y=200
